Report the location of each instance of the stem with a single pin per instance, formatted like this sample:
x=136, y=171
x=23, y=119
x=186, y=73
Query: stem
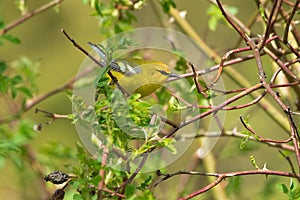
x=29, y=15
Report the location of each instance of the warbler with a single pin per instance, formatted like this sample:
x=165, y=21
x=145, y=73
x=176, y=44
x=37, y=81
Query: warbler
x=137, y=75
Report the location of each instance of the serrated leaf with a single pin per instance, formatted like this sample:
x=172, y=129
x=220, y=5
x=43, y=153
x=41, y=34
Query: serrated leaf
x=12, y=38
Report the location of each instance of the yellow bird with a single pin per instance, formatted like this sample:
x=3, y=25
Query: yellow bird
x=137, y=75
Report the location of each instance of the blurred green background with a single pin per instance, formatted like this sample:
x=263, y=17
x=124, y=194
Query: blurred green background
x=43, y=41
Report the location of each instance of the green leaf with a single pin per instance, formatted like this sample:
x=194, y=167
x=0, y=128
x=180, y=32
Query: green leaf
x=2, y=161
x=2, y=24
x=215, y=15
x=16, y=80
x=3, y=66
x=14, y=92
x=85, y=2
x=144, y=185
x=25, y=91
x=16, y=159
x=244, y=141
x=130, y=190
x=212, y=23
x=282, y=188
x=253, y=162
x=12, y=38
x=167, y=4
x=292, y=184
x=77, y=197
x=22, y=6
x=234, y=186
x=296, y=193
x=4, y=82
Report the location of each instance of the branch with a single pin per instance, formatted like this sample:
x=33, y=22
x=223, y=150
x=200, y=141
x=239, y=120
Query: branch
x=29, y=15
x=137, y=170
x=289, y=21
x=215, y=109
x=222, y=176
x=233, y=134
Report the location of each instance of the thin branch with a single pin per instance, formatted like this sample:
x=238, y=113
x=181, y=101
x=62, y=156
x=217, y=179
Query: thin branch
x=135, y=173
x=102, y=172
x=29, y=15
x=289, y=21
x=113, y=78
x=222, y=176
x=285, y=108
x=295, y=137
x=228, y=19
x=290, y=163
x=261, y=138
x=215, y=109
x=271, y=21
x=281, y=64
x=200, y=90
x=224, y=58
x=236, y=135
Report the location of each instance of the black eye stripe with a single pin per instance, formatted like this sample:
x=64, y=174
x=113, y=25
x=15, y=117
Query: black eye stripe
x=163, y=72
x=167, y=73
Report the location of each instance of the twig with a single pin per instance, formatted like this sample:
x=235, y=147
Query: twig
x=198, y=85
x=228, y=19
x=137, y=170
x=29, y=15
x=286, y=109
x=262, y=74
x=290, y=163
x=222, y=176
x=271, y=21
x=102, y=172
x=295, y=137
x=216, y=108
x=224, y=58
x=261, y=138
x=281, y=64
x=236, y=135
x=53, y=116
x=289, y=21
x=113, y=78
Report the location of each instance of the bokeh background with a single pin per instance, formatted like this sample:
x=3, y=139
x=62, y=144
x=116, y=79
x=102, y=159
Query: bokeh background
x=42, y=41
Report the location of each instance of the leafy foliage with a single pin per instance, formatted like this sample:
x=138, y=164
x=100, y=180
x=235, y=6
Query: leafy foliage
x=127, y=128
x=292, y=192
x=24, y=82
x=12, y=142
x=216, y=15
